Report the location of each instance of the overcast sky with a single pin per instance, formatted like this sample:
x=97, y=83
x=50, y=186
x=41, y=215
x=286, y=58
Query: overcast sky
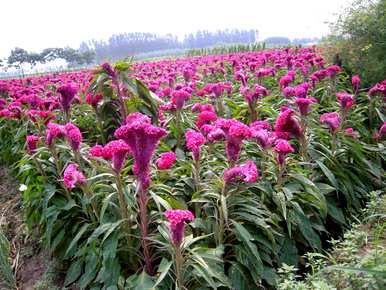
x=37, y=24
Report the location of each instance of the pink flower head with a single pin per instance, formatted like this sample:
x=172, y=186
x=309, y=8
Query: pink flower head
x=118, y=151
x=289, y=92
x=235, y=132
x=260, y=124
x=263, y=137
x=98, y=151
x=382, y=132
x=142, y=138
x=194, y=141
x=332, y=120
x=72, y=176
x=205, y=117
x=282, y=148
x=198, y=107
x=67, y=95
x=108, y=69
x=247, y=173
x=73, y=135
x=166, y=160
x=32, y=143
x=304, y=104
x=346, y=101
x=287, y=126
x=93, y=100
x=177, y=219
x=179, y=98
x=333, y=70
x=40, y=116
x=301, y=90
x=355, y=81
x=53, y=131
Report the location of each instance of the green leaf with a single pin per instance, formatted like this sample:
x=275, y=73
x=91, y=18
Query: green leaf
x=328, y=173
x=163, y=270
x=73, y=272
x=80, y=233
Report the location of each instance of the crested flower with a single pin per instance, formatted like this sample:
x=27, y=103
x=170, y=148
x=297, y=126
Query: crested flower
x=381, y=135
x=94, y=100
x=108, y=69
x=118, y=150
x=246, y=173
x=74, y=136
x=332, y=120
x=67, y=94
x=72, y=176
x=53, y=131
x=301, y=90
x=288, y=92
x=263, y=137
x=286, y=125
x=205, y=117
x=179, y=98
x=177, y=219
x=346, y=101
x=142, y=138
x=282, y=148
x=194, y=141
x=198, y=107
x=355, y=82
x=304, y=104
x=235, y=133
x=333, y=70
x=166, y=160
x=32, y=143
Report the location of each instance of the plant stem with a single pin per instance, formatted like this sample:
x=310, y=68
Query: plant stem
x=100, y=125
x=59, y=169
x=142, y=201
x=179, y=265
x=123, y=207
x=222, y=217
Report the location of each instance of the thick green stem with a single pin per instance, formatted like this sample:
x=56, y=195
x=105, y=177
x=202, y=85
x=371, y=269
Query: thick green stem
x=222, y=216
x=59, y=169
x=100, y=126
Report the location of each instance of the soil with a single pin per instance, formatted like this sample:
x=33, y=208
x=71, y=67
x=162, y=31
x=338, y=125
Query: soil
x=29, y=262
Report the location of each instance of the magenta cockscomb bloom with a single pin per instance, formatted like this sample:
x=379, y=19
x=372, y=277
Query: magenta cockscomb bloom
x=333, y=70
x=40, y=116
x=246, y=173
x=198, y=107
x=235, y=133
x=304, y=105
x=332, y=120
x=346, y=101
x=177, y=219
x=288, y=92
x=301, y=90
x=53, y=131
x=142, y=138
x=179, y=98
x=67, y=95
x=381, y=135
x=32, y=143
x=118, y=150
x=98, y=151
x=282, y=148
x=72, y=176
x=260, y=124
x=205, y=117
x=194, y=141
x=94, y=100
x=263, y=137
x=286, y=125
x=166, y=160
x=74, y=136
x=287, y=79
x=355, y=82
x=108, y=69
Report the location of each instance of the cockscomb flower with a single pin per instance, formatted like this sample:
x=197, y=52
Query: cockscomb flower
x=40, y=116
x=288, y=92
x=198, y=107
x=235, y=133
x=282, y=148
x=32, y=143
x=304, y=105
x=108, y=69
x=98, y=151
x=94, y=100
x=301, y=90
x=346, y=101
x=194, y=141
x=286, y=125
x=74, y=136
x=205, y=117
x=381, y=134
x=377, y=89
x=166, y=160
x=263, y=137
x=355, y=82
x=179, y=98
x=260, y=124
x=118, y=150
x=53, y=131
x=332, y=120
x=177, y=219
x=246, y=173
x=72, y=176
x=142, y=138
x=67, y=95
x=333, y=70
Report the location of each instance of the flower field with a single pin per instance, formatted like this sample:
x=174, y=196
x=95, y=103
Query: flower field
x=208, y=172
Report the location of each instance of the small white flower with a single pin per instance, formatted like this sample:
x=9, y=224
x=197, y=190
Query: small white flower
x=23, y=187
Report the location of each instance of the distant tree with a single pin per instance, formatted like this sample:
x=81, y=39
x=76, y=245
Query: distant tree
x=277, y=40
x=18, y=57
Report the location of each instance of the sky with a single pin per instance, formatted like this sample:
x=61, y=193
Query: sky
x=38, y=24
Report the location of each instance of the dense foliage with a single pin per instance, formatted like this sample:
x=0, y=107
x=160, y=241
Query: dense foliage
x=359, y=39
x=207, y=172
